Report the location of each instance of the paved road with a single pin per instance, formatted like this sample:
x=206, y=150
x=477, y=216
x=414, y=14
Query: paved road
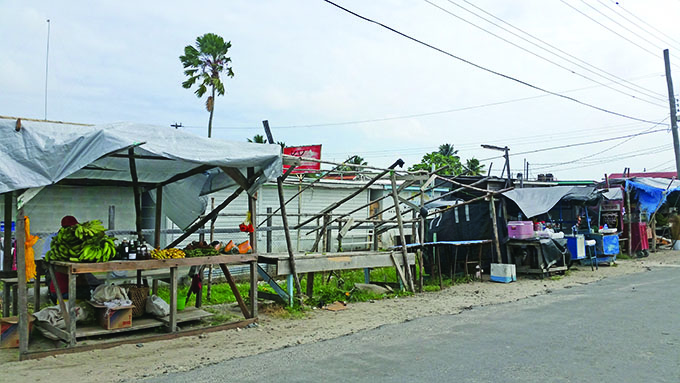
x=624, y=329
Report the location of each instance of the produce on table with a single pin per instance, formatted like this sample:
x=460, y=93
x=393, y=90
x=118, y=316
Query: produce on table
x=167, y=254
x=192, y=253
x=83, y=242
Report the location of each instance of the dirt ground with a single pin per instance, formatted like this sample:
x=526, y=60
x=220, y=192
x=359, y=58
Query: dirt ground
x=130, y=362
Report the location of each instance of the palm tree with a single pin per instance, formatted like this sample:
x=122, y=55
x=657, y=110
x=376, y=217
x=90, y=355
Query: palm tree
x=258, y=139
x=447, y=150
x=474, y=167
x=204, y=64
x=352, y=160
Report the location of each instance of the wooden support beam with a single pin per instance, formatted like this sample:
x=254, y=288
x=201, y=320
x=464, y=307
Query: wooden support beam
x=268, y=132
x=334, y=205
x=7, y=234
x=400, y=223
x=234, y=289
x=289, y=245
x=159, y=217
x=205, y=219
x=187, y=174
x=237, y=176
x=137, y=194
x=21, y=281
x=172, y=323
x=496, y=239
x=133, y=340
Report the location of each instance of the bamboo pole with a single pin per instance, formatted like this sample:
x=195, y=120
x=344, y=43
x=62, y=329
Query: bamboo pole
x=289, y=245
x=404, y=250
x=495, y=229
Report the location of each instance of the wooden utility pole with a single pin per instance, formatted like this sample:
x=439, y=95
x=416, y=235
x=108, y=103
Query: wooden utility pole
x=674, y=113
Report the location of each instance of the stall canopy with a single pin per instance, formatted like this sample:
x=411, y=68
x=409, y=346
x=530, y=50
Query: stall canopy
x=185, y=165
x=536, y=201
x=651, y=192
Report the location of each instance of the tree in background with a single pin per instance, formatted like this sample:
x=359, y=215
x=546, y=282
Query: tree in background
x=203, y=64
x=446, y=155
x=474, y=168
x=352, y=160
x=259, y=139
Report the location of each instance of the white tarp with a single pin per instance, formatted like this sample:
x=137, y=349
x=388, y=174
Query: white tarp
x=535, y=201
x=43, y=153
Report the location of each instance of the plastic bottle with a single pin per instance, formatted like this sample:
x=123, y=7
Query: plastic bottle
x=132, y=254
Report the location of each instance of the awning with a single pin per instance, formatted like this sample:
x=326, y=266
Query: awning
x=45, y=153
x=536, y=201
x=651, y=192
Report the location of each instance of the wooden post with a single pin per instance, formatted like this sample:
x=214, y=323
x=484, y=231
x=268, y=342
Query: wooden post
x=172, y=323
x=252, y=208
x=7, y=234
x=324, y=234
x=289, y=245
x=339, y=236
x=159, y=217
x=21, y=283
x=652, y=225
x=208, y=294
x=269, y=229
x=495, y=229
x=253, y=289
x=36, y=286
x=112, y=217
x=137, y=194
x=400, y=223
x=72, y=296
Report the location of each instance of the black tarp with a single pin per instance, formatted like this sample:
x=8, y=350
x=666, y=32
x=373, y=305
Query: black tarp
x=464, y=223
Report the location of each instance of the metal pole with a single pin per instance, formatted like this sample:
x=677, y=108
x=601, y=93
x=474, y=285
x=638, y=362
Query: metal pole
x=674, y=116
x=47, y=60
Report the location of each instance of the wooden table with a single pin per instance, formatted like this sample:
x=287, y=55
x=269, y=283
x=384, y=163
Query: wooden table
x=538, y=266
x=72, y=269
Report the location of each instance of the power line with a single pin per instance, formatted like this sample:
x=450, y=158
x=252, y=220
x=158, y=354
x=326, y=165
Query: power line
x=415, y=115
x=614, y=10
x=646, y=23
x=577, y=144
x=508, y=77
x=609, y=29
x=662, y=96
x=538, y=55
x=611, y=147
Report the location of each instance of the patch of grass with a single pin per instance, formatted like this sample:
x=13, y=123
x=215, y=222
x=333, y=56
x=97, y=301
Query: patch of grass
x=556, y=277
x=219, y=316
x=623, y=256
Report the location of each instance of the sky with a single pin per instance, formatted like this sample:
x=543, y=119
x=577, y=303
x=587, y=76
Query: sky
x=576, y=88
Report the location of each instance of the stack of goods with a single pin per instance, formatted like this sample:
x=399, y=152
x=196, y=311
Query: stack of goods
x=82, y=242
x=200, y=249
x=167, y=254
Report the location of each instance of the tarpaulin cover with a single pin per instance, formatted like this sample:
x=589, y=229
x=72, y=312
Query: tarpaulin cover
x=43, y=153
x=535, y=201
x=651, y=192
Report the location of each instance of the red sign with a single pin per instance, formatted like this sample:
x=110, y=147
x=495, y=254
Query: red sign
x=309, y=151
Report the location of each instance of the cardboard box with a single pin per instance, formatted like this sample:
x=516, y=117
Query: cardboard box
x=520, y=229
x=501, y=272
x=9, y=331
x=115, y=318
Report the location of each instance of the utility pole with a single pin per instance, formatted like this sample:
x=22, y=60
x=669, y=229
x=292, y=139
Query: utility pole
x=674, y=113
x=176, y=125
x=47, y=61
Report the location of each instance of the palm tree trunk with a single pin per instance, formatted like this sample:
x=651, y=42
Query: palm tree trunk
x=212, y=109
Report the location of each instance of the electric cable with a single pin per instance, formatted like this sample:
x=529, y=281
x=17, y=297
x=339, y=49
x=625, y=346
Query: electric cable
x=540, y=56
x=478, y=66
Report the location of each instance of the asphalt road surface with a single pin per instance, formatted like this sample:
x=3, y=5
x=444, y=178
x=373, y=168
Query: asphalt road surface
x=623, y=329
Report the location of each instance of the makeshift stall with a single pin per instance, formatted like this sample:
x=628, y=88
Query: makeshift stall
x=545, y=247
x=173, y=165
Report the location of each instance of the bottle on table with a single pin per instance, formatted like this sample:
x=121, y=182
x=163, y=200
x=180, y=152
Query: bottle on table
x=132, y=254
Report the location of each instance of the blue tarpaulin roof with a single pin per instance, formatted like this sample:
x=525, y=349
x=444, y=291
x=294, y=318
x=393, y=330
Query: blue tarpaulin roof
x=651, y=193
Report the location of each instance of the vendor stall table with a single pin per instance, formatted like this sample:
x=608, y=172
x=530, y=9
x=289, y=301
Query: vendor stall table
x=456, y=244
x=317, y=262
x=73, y=269
x=606, y=248
x=537, y=261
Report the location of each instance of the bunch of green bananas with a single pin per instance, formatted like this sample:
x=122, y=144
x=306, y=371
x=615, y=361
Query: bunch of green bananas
x=84, y=242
